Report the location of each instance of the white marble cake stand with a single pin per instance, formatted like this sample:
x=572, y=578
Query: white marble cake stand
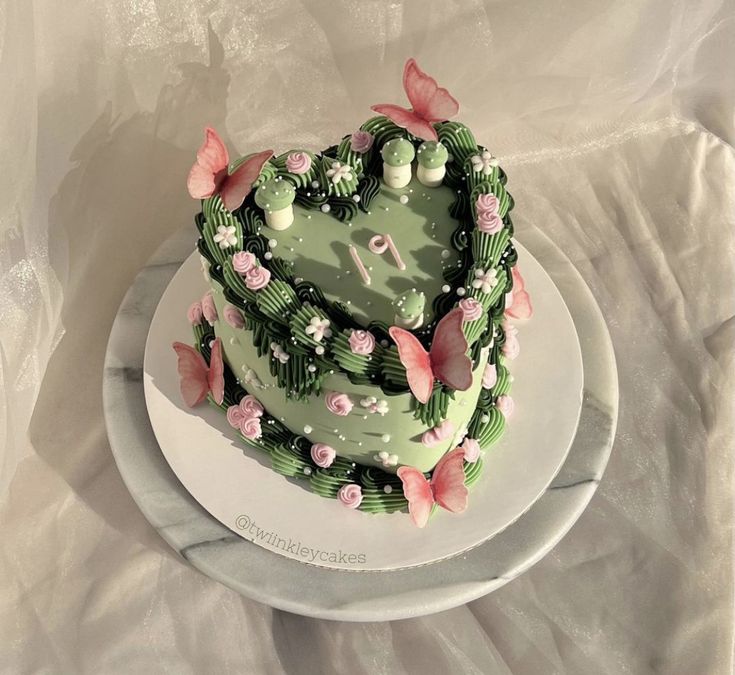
x=342, y=594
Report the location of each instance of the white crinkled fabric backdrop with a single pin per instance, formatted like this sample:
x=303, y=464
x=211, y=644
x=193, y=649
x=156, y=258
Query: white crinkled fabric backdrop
x=615, y=124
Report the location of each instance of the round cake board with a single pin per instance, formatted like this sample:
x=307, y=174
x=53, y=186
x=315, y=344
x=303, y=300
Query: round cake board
x=235, y=483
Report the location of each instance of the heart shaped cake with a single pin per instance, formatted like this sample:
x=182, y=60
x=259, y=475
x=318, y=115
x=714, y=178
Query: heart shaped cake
x=357, y=327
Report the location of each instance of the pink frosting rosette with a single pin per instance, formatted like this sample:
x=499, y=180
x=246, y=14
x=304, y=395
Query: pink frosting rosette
x=243, y=262
x=323, y=454
x=350, y=495
x=208, y=308
x=438, y=434
x=471, y=449
x=361, y=342
x=505, y=405
x=361, y=141
x=232, y=316
x=471, y=309
x=194, y=314
x=489, y=222
x=257, y=278
x=511, y=347
x=251, y=406
x=487, y=203
x=250, y=428
x=338, y=403
x=489, y=376
x=298, y=162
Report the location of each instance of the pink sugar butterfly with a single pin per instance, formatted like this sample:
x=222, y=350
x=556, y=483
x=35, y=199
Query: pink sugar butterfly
x=430, y=103
x=209, y=175
x=198, y=378
x=447, y=360
x=446, y=487
x=520, y=307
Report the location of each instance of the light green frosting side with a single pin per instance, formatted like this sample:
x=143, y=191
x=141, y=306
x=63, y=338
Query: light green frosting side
x=359, y=435
x=398, y=152
x=432, y=154
x=275, y=194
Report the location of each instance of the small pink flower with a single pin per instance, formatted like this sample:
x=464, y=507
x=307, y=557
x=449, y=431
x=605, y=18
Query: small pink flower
x=338, y=403
x=251, y=406
x=350, y=495
x=438, y=434
x=235, y=416
x=250, y=428
x=232, y=316
x=323, y=455
x=208, y=308
x=471, y=450
x=194, y=314
x=471, y=309
x=361, y=141
x=361, y=342
x=487, y=202
x=489, y=222
x=505, y=405
x=511, y=347
x=257, y=278
x=298, y=162
x=489, y=376
x=243, y=262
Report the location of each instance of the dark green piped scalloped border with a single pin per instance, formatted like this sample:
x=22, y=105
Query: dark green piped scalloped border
x=269, y=314
x=290, y=453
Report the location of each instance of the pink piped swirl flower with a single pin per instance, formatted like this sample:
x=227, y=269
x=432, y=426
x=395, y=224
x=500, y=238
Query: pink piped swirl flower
x=511, y=347
x=489, y=222
x=472, y=310
x=298, y=162
x=471, y=449
x=232, y=316
x=194, y=314
x=439, y=433
x=250, y=428
x=361, y=342
x=361, y=141
x=489, y=376
x=487, y=203
x=350, y=495
x=257, y=278
x=338, y=403
x=208, y=308
x=243, y=262
x=251, y=406
x=505, y=405
x=323, y=454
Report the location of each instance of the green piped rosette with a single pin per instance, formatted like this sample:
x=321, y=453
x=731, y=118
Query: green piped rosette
x=280, y=312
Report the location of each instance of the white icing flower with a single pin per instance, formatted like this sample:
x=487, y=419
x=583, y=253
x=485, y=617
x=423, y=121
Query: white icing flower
x=485, y=280
x=484, y=162
x=225, y=236
x=279, y=353
x=368, y=402
x=251, y=377
x=386, y=459
x=318, y=328
x=339, y=171
x=381, y=407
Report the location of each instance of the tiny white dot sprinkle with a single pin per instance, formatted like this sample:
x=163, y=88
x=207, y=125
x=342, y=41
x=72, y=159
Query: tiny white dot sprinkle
x=244, y=368
x=268, y=255
x=385, y=438
x=307, y=470
x=388, y=489
x=446, y=288
x=315, y=183
x=326, y=208
x=355, y=198
x=461, y=291
x=312, y=368
x=403, y=199
x=445, y=254
x=319, y=350
x=307, y=429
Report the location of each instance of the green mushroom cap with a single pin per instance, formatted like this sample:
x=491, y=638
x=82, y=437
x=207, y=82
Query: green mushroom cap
x=409, y=304
x=432, y=154
x=398, y=152
x=275, y=194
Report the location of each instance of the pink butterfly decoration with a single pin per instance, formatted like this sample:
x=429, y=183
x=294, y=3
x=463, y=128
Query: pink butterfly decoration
x=209, y=175
x=446, y=487
x=447, y=360
x=430, y=103
x=520, y=307
x=198, y=378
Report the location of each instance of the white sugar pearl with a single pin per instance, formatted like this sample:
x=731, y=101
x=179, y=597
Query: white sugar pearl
x=356, y=198
x=385, y=438
x=388, y=489
x=268, y=255
x=307, y=470
x=446, y=288
x=315, y=183
x=403, y=199
x=484, y=419
x=461, y=291
x=445, y=254
x=319, y=350
x=307, y=429
x=272, y=243
x=326, y=208
x=312, y=368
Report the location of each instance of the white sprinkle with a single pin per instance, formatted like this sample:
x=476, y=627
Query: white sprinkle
x=311, y=368
x=307, y=429
x=307, y=470
x=461, y=291
x=233, y=341
x=268, y=255
x=388, y=489
x=315, y=183
x=326, y=208
x=403, y=199
x=355, y=198
x=484, y=419
x=445, y=254
x=319, y=350
x=446, y=288
x=299, y=239
x=385, y=438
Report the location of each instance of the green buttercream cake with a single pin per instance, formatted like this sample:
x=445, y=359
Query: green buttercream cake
x=369, y=338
